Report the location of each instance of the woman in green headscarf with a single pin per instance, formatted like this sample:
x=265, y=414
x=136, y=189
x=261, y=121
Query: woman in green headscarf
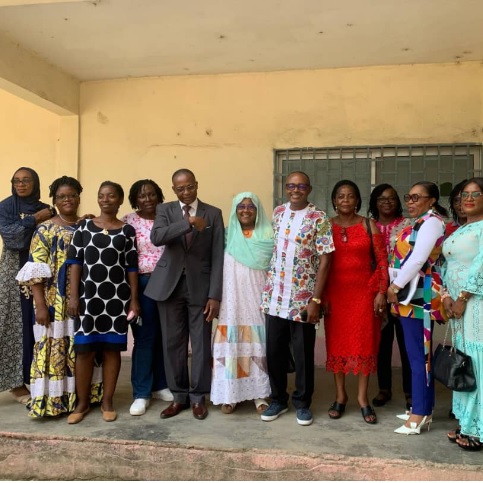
x=239, y=359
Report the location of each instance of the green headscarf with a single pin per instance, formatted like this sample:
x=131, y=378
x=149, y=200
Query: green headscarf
x=254, y=252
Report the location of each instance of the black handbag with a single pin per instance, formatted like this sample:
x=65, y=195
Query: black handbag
x=453, y=368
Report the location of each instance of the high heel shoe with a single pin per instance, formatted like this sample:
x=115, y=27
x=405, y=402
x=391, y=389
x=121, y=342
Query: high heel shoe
x=404, y=416
x=415, y=428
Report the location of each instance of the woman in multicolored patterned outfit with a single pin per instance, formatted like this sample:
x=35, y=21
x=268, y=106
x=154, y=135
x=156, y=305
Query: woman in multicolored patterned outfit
x=52, y=383
x=417, y=251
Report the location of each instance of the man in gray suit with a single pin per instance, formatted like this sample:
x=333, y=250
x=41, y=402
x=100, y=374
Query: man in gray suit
x=187, y=284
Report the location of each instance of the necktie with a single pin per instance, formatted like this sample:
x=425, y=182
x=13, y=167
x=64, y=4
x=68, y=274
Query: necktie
x=186, y=216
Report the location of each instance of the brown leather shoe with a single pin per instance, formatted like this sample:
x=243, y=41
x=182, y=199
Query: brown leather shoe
x=199, y=410
x=173, y=410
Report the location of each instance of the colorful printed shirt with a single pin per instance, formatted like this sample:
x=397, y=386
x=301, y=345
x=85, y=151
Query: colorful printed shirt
x=301, y=237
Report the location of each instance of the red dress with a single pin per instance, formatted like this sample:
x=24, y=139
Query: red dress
x=352, y=331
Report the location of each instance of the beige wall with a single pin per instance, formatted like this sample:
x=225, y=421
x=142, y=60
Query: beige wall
x=225, y=127
x=28, y=137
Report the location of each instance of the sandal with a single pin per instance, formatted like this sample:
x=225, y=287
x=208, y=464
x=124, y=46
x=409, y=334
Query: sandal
x=228, y=408
x=382, y=398
x=261, y=405
x=454, y=435
x=336, y=408
x=23, y=398
x=369, y=415
x=474, y=444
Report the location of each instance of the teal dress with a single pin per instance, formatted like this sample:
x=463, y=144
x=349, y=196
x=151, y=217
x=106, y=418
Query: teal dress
x=463, y=251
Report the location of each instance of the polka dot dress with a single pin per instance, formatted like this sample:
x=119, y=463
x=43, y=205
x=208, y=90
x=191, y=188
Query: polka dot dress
x=104, y=290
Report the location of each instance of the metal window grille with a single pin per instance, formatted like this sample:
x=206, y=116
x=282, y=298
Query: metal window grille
x=368, y=166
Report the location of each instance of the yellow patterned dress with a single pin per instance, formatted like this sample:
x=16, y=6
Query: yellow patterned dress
x=52, y=382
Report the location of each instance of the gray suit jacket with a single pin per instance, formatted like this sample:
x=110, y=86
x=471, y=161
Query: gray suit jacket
x=202, y=262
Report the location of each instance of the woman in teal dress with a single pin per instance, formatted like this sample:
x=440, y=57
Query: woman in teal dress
x=463, y=277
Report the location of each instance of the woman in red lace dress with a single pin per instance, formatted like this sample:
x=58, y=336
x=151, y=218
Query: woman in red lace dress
x=355, y=298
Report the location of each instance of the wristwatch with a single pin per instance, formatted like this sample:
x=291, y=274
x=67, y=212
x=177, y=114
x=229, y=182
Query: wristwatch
x=394, y=289
x=316, y=300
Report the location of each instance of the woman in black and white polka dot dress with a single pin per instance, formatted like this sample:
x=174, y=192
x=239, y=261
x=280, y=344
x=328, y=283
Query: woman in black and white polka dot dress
x=104, y=265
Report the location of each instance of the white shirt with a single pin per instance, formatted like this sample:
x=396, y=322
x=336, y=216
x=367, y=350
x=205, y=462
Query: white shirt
x=193, y=207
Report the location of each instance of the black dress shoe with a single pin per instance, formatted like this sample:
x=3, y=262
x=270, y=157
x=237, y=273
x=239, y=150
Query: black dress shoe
x=199, y=410
x=173, y=409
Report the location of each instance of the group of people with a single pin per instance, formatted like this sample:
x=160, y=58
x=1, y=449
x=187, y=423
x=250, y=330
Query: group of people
x=169, y=270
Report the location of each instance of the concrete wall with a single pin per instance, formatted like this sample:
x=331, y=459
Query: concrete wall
x=29, y=136
x=225, y=127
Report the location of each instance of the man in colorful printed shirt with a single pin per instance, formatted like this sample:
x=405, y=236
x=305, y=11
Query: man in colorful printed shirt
x=292, y=296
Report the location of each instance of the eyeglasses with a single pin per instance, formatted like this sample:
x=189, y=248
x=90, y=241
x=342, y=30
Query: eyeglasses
x=72, y=196
x=414, y=198
x=249, y=207
x=182, y=189
x=471, y=194
x=300, y=186
x=383, y=199
x=24, y=181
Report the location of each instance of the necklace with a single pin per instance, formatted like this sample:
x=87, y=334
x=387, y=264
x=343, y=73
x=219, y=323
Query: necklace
x=247, y=233
x=66, y=221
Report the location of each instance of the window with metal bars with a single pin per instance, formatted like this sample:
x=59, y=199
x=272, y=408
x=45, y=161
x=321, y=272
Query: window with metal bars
x=401, y=166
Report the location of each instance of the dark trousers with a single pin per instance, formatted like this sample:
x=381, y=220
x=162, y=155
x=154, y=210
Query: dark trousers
x=147, y=370
x=384, y=358
x=422, y=393
x=180, y=322
x=28, y=321
x=280, y=332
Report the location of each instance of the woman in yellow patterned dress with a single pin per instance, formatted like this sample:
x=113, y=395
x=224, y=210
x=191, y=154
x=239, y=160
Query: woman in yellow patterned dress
x=52, y=383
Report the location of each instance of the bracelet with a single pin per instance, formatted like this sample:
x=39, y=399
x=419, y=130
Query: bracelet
x=462, y=297
x=445, y=296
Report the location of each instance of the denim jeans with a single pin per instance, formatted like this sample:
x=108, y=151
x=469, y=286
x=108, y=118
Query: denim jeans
x=147, y=372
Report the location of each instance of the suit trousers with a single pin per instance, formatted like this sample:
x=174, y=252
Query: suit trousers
x=422, y=393
x=182, y=321
x=280, y=332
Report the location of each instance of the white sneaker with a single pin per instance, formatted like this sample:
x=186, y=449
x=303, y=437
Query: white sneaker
x=164, y=395
x=138, y=407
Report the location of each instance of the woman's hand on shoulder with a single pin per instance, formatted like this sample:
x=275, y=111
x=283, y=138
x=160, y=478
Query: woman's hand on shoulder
x=43, y=215
x=88, y=216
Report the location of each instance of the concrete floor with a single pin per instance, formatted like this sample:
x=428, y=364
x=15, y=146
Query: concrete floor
x=236, y=446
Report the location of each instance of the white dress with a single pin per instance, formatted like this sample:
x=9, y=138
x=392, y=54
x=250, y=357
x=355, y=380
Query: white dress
x=239, y=348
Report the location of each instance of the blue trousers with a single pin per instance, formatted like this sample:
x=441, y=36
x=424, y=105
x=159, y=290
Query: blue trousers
x=422, y=393
x=147, y=371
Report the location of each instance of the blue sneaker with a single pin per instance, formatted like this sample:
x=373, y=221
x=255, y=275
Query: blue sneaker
x=273, y=411
x=304, y=416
